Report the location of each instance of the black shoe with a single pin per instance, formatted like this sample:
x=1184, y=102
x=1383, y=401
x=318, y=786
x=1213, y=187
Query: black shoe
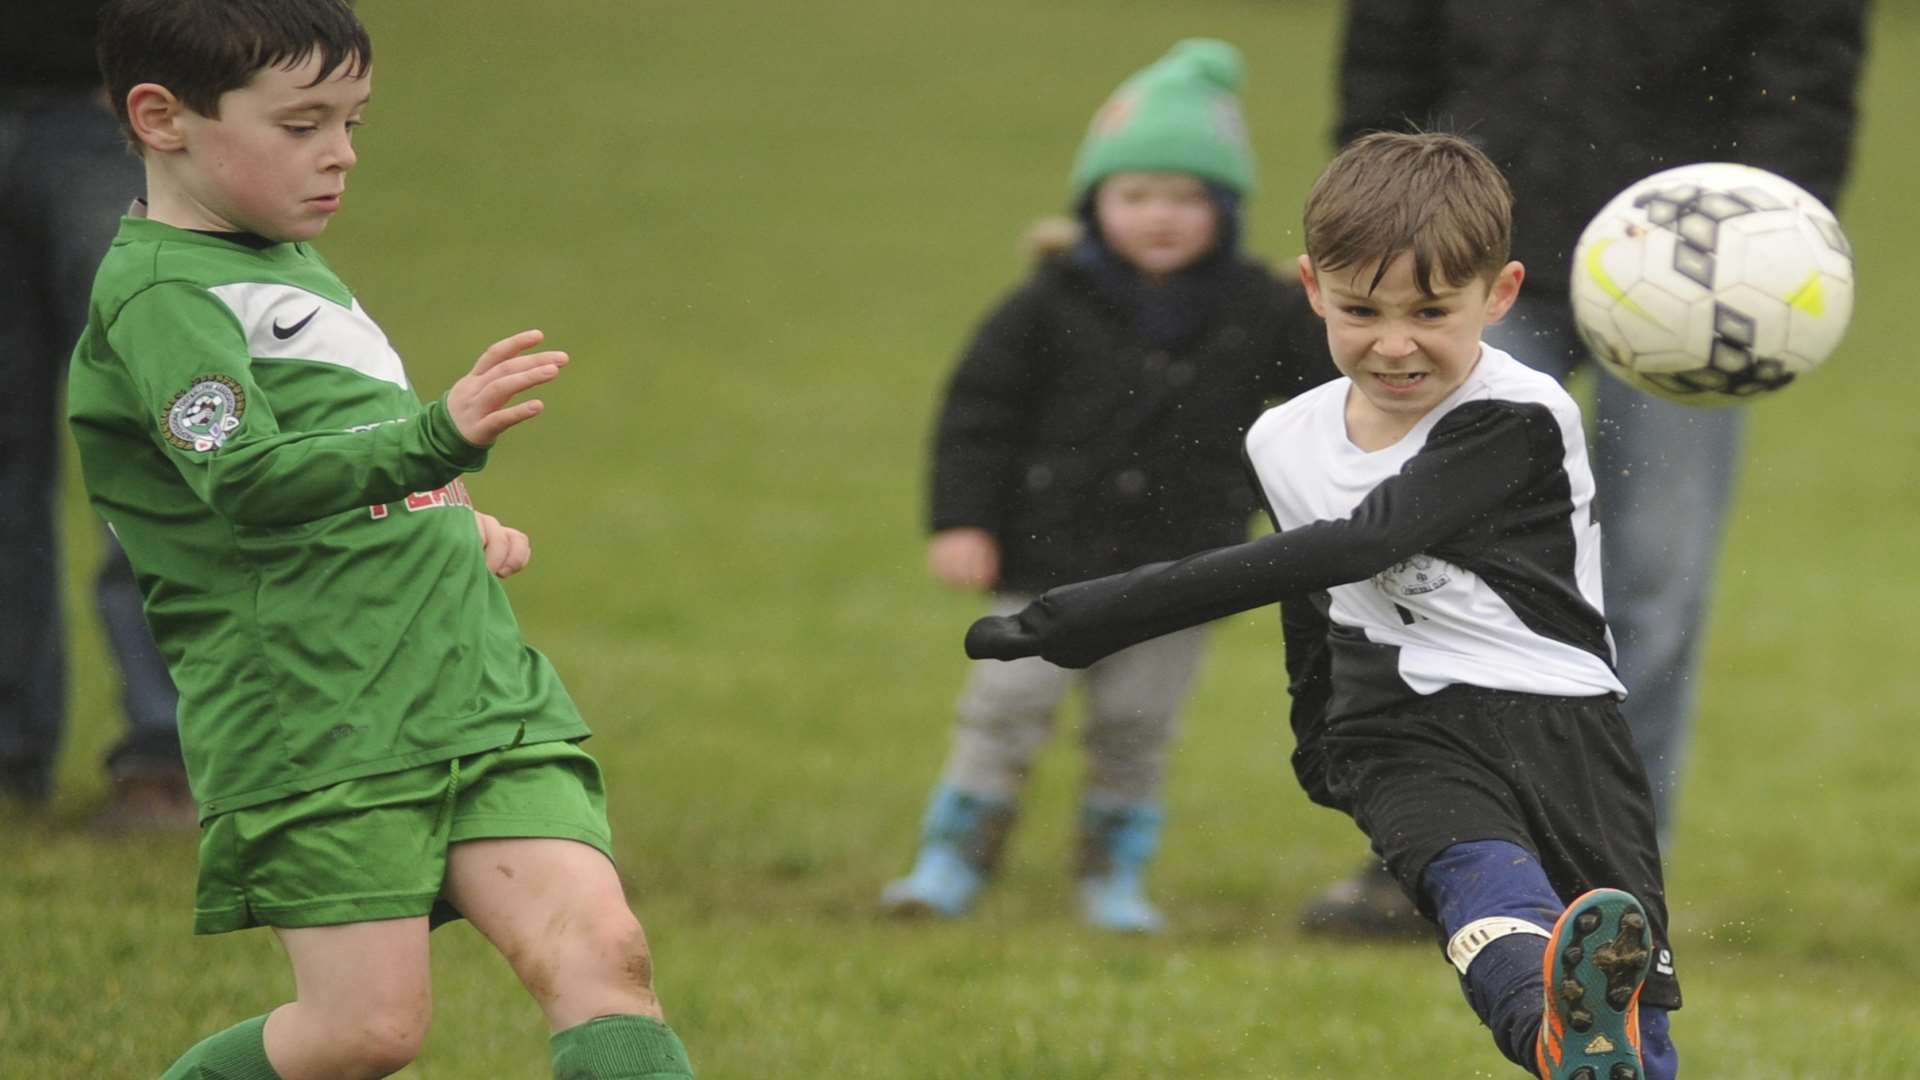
x=148, y=799
x=25, y=783
x=1368, y=906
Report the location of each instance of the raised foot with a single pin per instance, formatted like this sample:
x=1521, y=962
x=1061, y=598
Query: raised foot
x=1595, y=964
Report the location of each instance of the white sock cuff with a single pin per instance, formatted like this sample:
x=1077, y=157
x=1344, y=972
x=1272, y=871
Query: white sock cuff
x=1462, y=947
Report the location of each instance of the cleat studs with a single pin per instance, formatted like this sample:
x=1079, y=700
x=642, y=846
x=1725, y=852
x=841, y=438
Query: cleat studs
x=1605, y=947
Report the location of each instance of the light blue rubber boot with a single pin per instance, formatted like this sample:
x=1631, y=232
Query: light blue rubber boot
x=1117, y=840
x=960, y=841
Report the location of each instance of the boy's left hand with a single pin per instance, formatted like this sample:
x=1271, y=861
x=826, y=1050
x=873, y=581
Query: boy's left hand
x=507, y=550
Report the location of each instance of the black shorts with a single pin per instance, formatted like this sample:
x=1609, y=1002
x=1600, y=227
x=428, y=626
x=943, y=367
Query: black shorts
x=1557, y=776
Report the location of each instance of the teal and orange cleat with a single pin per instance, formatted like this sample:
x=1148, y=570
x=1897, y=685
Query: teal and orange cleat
x=1594, y=967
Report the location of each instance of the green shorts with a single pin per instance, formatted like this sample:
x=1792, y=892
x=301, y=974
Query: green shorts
x=376, y=848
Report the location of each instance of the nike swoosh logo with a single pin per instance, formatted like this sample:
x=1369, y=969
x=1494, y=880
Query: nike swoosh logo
x=285, y=332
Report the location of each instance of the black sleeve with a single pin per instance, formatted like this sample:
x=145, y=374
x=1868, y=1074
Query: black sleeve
x=1304, y=625
x=1476, y=458
x=1805, y=81
x=984, y=415
x=1389, y=72
x=1304, y=629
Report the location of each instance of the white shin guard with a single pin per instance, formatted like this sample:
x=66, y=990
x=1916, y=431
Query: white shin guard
x=1463, y=946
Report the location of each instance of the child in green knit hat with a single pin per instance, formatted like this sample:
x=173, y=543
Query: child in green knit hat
x=1094, y=423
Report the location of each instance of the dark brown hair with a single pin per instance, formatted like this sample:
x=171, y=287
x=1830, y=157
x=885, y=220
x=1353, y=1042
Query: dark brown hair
x=1435, y=196
x=200, y=49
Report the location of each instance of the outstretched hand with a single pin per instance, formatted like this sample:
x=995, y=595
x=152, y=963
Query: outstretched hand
x=1001, y=637
x=1069, y=626
x=481, y=402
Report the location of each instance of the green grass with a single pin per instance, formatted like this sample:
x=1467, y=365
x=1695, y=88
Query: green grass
x=763, y=230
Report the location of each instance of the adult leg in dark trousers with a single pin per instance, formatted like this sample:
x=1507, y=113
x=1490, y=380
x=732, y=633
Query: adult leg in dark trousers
x=65, y=179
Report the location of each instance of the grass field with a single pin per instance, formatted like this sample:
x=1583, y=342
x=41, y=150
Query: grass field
x=763, y=230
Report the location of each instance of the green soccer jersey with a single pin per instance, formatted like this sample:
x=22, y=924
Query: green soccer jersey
x=309, y=557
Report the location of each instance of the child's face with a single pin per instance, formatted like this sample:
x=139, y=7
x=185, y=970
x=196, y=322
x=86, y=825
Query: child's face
x=275, y=162
x=1405, y=350
x=1159, y=222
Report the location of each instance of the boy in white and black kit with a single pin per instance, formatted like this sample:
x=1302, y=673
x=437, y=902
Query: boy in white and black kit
x=1438, y=567
x=1093, y=424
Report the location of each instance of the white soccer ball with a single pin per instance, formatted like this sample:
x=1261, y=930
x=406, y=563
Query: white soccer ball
x=1712, y=284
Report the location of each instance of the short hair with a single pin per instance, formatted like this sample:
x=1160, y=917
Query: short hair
x=201, y=49
x=1435, y=196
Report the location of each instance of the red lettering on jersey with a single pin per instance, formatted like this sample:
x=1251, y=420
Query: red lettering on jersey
x=454, y=494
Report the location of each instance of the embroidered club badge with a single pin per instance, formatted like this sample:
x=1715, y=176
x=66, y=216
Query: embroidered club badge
x=206, y=414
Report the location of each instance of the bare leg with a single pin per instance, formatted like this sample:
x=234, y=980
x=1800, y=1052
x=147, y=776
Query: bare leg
x=363, y=999
x=555, y=910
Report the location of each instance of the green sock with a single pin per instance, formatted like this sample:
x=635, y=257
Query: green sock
x=619, y=1048
x=238, y=1053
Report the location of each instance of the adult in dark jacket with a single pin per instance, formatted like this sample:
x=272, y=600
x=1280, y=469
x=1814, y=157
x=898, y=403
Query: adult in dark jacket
x=1575, y=100
x=65, y=178
x=1093, y=424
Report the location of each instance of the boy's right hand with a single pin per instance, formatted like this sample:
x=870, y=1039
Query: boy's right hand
x=965, y=558
x=481, y=401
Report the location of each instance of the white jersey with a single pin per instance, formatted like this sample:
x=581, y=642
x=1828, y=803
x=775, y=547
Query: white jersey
x=1476, y=532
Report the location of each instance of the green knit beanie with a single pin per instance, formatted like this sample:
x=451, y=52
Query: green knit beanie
x=1182, y=114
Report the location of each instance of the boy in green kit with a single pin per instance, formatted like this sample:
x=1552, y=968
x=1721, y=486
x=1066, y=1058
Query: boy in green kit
x=373, y=747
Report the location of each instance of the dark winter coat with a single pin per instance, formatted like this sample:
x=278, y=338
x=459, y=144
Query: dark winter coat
x=1577, y=99
x=1084, y=449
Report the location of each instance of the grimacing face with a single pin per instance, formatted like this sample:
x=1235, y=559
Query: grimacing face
x=1404, y=349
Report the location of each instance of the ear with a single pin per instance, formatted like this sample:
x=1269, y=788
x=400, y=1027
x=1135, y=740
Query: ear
x=1504, y=291
x=1312, y=284
x=154, y=114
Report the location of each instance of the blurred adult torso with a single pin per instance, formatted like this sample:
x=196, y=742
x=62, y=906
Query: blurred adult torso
x=1576, y=99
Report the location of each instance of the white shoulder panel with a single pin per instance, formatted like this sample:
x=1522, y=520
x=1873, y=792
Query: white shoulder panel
x=289, y=323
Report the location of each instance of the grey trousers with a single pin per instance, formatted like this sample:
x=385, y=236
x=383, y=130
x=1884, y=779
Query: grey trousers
x=1006, y=715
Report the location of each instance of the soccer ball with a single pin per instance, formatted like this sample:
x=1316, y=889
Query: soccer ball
x=1712, y=284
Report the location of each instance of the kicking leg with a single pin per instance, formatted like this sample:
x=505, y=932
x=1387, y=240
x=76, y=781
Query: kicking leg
x=1496, y=905
x=554, y=908
x=1497, y=908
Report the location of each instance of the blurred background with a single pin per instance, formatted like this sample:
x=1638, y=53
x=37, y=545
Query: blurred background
x=764, y=231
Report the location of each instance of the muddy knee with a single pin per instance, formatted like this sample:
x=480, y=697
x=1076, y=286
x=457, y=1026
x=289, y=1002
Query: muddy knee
x=625, y=956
